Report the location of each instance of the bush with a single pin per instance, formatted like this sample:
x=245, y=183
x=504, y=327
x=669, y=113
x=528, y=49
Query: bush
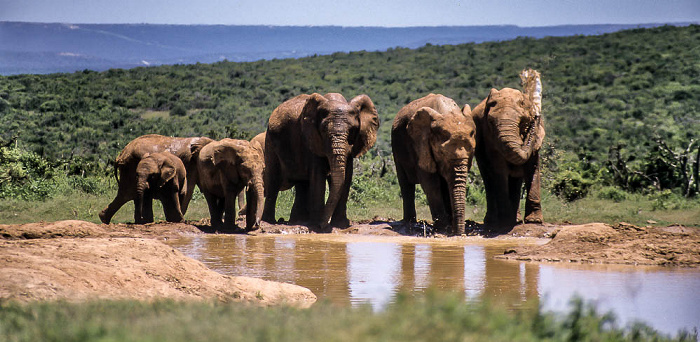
x=612, y=193
x=570, y=185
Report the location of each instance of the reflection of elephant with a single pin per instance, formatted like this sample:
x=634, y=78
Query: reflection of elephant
x=509, y=135
x=132, y=154
x=162, y=176
x=225, y=168
x=312, y=139
x=433, y=144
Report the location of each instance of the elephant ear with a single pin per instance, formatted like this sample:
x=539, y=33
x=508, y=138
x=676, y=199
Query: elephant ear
x=310, y=119
x=419, y=131
x=167, y=173
x=226, y=157
x=369, y=123
x=467, y=111
x=491, y=100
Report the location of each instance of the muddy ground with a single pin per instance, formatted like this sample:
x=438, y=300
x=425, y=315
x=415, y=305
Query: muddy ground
x=77, y=260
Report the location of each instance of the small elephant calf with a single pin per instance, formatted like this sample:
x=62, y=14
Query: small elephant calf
x=226, y=168
x=162, y=176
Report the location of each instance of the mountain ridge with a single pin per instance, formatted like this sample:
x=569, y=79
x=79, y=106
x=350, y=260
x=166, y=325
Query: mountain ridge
x=41, y=48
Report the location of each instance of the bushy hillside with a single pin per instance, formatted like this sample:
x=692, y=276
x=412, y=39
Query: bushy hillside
x=612, y=103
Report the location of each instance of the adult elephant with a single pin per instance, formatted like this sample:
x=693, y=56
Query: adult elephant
x=510, y=131
x=161, y=176
x=311, y=140
x=226, y=168
x=433, y=144
x=137, y=149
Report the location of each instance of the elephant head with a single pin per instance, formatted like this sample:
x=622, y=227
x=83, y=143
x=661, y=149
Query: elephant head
x=339, y=131
x=241, y=164
x=444, y=144
x=513, y=119
x=164, y=176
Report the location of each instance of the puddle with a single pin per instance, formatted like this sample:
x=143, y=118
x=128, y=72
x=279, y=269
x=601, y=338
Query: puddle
x=351, y=269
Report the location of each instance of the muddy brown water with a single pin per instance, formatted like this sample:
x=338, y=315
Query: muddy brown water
x=352, y=269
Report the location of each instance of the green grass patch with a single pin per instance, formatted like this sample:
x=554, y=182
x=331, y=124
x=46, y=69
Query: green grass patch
x=431, y=317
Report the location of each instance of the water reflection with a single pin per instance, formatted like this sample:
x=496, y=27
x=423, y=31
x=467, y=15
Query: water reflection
x=352, y=270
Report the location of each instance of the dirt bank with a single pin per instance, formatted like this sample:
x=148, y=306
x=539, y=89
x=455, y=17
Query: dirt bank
x=622, y=243
x=76, y=260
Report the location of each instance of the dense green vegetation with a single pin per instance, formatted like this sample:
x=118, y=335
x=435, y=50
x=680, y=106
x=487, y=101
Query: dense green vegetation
x=428, y=318
x=622, y=110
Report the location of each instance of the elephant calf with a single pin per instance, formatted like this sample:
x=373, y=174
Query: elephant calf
x=226, y=168
x=138, y=149
x=161, y=176
x=433, y=143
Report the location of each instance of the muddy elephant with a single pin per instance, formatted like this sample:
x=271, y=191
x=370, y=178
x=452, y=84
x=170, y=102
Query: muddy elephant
x=433, y=144
x=131, y=155
x=510, y=131
x=161, y=176
x=311, y=140
x=226, y=168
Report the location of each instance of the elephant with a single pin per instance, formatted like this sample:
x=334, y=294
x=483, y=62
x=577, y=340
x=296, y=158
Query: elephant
x=311, y=140
x=510, y=132
x=432, y=141
x=258, y=143
x=131, y=155
x=226, y=168
x=162, y=176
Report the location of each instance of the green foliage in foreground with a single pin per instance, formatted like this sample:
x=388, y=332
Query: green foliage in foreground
x=433, y=317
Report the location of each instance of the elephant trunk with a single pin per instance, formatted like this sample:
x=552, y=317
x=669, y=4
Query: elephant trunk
x=516, y=150
x=141, y=187
x=256, y=203
x=338, y=162
x=459, y=194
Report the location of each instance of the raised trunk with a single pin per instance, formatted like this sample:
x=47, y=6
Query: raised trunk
x=459, y=194
x=516, y=150
x=256, y=202
x=337, y=166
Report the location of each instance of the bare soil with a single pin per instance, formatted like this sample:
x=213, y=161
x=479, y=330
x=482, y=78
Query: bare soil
x=77, y=260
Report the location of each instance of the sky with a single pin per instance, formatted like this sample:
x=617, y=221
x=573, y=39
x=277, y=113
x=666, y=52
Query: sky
x=386, y=13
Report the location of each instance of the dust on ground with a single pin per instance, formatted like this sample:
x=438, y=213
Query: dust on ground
x=78, y=260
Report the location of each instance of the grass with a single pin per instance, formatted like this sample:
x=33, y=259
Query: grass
x=430, y=317
x=383, y=203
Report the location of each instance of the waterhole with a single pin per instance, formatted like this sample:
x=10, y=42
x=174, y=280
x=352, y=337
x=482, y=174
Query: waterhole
x=352, y=270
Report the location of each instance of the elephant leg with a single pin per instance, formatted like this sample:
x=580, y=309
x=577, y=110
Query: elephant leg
x=317, y=192
x=300, y=211
x=498, y=213
x=171, y=207
x=191, y=182
x=215, y=211
x=515, y=186
x=533, y=205
x=241, y=202
x=340, y=214
x=432, y=189
x=138, y=210
x=125, y=193
x=491, y=188
x=230, y=207
x=272, y=178
x=148, y=208
x=408, y=195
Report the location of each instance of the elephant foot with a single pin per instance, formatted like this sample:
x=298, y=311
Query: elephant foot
x=535, y=217
x=341, y=223
x=103, y=217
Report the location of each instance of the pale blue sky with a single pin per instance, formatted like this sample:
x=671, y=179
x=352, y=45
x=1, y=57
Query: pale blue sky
x=392, y=13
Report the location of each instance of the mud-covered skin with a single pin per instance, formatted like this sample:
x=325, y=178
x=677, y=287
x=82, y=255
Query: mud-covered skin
x=432, y=141
x=312, y=140
x=137, y=149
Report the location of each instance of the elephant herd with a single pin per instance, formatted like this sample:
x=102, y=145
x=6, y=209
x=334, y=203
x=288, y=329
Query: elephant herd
x=312, y=140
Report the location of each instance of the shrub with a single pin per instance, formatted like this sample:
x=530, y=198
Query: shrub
x=570, y=185
x=612, y=193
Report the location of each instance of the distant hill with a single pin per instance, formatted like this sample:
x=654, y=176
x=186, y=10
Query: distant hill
x=41, y=48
